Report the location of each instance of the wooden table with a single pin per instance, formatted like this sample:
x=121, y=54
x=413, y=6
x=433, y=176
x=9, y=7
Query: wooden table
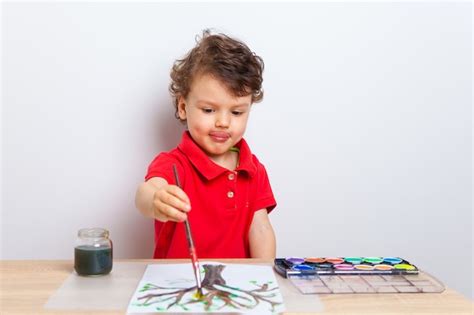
x=26, y=286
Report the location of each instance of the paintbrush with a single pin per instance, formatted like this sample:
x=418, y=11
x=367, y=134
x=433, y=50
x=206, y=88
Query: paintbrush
x=189, y=236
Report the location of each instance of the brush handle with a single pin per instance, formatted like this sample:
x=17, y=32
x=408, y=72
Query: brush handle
x=188, y=233
x=189, y=236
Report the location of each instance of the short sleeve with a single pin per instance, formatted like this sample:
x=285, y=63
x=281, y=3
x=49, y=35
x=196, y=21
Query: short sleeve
x=263, y=197
x=162, y=166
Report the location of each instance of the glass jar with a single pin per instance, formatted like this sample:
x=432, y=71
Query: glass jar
x=93, y=252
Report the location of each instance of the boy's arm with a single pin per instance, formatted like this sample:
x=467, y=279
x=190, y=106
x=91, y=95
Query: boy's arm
x=157, y=200
x=145, y=195
x=261, y=236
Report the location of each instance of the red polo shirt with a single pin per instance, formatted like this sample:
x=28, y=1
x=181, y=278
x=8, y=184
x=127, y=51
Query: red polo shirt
x=223, y=202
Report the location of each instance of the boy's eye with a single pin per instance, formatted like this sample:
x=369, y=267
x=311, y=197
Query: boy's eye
x=236, y=113
x=207, y=110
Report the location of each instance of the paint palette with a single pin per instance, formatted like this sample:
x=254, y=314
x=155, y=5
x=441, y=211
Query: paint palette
x=415, y=283
x=344, y=266
x=326, y=275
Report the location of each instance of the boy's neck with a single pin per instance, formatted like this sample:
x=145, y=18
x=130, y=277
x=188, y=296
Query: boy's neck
x=229, y=160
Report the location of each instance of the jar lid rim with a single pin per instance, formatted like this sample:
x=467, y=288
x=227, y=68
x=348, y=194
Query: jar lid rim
x=93, y=232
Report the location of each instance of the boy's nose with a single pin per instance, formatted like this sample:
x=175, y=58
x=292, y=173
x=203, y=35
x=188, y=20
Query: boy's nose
x=223, y=121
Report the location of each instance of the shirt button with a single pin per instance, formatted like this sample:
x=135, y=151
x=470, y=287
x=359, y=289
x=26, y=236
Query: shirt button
x=230, y=194
x=231, y=176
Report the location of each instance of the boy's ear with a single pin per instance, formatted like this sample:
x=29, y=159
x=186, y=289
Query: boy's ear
x=182, y=108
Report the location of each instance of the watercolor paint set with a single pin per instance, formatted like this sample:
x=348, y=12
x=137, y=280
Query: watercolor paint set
x=318, y=275
x=343, y=266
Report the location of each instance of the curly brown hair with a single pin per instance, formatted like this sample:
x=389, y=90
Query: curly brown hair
x=227, y=59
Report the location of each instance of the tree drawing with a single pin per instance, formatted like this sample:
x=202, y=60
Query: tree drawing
x=217, y=294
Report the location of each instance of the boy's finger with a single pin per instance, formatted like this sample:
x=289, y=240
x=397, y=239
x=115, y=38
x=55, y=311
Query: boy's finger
x=174, y=214
x=180, y=194
x=173, y=201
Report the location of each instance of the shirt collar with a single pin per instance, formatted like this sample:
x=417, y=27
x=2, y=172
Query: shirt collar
x=207, y=167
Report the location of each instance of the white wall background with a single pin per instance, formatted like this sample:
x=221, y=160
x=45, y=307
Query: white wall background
x=365, y=129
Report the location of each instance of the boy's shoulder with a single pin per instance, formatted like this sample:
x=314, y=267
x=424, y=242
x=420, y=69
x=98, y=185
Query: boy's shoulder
x=172, y=156
x=162, y=165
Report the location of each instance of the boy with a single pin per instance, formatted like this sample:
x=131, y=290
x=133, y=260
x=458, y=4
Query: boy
x=223, y=183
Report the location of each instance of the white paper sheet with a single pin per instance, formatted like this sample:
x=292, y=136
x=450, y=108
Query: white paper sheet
x=227, y=288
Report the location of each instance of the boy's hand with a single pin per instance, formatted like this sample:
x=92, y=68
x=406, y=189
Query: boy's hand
x=170, y=203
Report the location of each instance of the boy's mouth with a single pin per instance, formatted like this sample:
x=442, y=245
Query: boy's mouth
x=219, y=136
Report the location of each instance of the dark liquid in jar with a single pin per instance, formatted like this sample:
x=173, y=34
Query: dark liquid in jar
x=90, y=260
